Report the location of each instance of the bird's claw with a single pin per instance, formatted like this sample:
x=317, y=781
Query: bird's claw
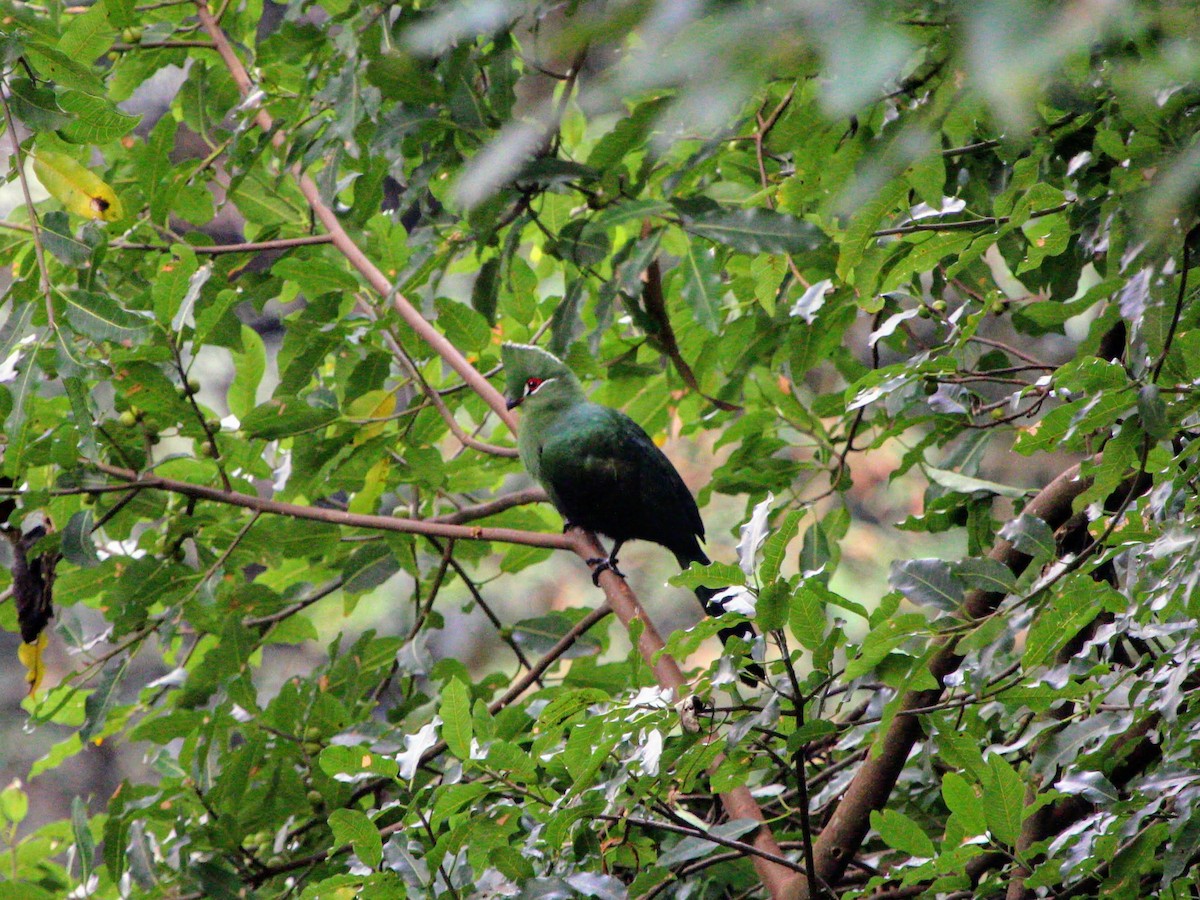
x=601, y=563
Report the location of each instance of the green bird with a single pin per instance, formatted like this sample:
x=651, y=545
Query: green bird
x=603, y=472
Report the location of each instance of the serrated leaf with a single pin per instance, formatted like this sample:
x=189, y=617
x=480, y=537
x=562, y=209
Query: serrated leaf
x=455, y=711
x=901, y=833
x=755, y=230
x=77, y=546
x=76, y=187
x=927, y=582
x=352, y=827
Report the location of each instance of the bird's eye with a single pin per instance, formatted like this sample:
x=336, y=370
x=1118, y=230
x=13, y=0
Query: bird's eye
x=532, y=385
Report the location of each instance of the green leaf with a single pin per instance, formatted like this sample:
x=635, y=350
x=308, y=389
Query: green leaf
x=702, y=284
x=714, y=575
x=539, y=634
x=771, y=609
x=368, y=567
x=353, y=762
x=101, y=701
x=85, y=844
x=927, y=582
x=986, y=574
x=901, y=833
x=14, y=803
x=966, y=484
x=567, y=706
x=284, y=416
x=883, y=639
x=962, y=800
x=248, y=369
x=171, y=283
x=806, y=617
x=36, y=106
x=95, y=119
x=63, y=69
x=352, y=827
x=456, y=718
x=776, y=546
x=102, y=318
x=465, y=328
x=315, y=276
x=1003, y=800
x=77, y=545
x=754, y=230
x=1031, y=536
x=62, y=244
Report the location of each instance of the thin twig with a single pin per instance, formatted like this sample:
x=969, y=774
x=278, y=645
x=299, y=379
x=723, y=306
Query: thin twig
x=340, y=517
x=35, y=226
x=248, y=247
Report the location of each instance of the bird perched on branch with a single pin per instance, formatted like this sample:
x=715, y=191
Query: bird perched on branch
x=603, y=472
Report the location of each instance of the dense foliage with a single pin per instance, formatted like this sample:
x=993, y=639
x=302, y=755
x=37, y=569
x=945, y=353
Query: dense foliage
x=941, y=243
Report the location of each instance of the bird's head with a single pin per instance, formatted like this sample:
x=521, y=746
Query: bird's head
x=537, y=378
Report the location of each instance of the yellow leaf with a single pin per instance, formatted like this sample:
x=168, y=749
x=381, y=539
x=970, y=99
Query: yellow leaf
x=371, y=405
x=367, y=500
x=80, y=190
x=30, y=656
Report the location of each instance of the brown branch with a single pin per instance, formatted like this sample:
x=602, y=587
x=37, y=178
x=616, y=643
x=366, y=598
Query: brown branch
x=248, y=247
x=492, y=507
x=337, y=516
x=343, y=242
x=741, y=846
x=739, y=803
x=874, y=781
x=656, y=309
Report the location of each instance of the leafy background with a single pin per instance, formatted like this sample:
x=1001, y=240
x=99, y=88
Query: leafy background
x=903, y=287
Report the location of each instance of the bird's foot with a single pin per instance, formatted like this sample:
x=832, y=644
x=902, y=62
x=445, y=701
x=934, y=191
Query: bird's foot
x=601, y=563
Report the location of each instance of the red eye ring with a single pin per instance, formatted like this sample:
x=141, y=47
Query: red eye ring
x=532, y=384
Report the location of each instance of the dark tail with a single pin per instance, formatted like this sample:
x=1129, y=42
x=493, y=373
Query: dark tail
x=752, y=673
